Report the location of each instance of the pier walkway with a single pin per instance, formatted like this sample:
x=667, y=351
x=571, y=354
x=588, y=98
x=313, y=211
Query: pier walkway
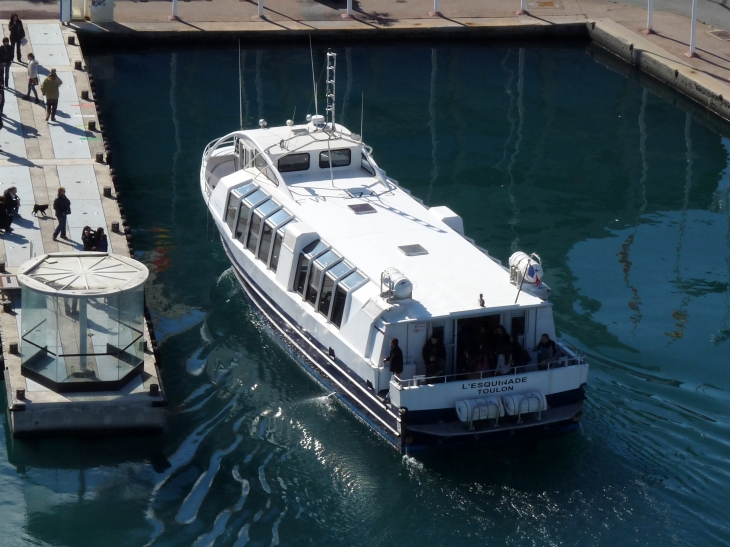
x=39, y=156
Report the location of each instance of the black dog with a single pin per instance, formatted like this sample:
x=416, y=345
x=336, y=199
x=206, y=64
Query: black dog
x=39, y=209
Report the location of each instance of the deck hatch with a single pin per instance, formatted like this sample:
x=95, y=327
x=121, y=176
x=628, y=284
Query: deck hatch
x=413, y=250
x=362, y=208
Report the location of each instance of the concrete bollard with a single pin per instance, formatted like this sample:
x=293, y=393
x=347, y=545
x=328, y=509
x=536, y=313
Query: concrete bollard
x=107, y=191
x=115, y=227
x=100, y=158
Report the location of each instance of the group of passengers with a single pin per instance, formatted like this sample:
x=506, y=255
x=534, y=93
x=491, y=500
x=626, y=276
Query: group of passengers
x=489, y=351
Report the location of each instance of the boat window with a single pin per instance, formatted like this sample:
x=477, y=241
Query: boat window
x=315, y=278
x=276, y=250
x=330, y=278
x=256, y=197
x=243, y=215
x=343, y=287
x=294, y=162
x=259, y=214
x=303, y=265
x=260, y=162
x=365, y=164
x=340, y=158
x=231, y=209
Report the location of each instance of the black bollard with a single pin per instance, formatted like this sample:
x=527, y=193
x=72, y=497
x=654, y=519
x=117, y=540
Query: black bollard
x=115, y=227
x=107, y=191
x=92, y=125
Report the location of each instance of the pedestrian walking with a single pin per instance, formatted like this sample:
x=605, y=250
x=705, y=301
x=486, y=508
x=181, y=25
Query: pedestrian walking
x=50, y=89
x=32, y=77
x=62, y=207
x=6, y=58
x=17, y=33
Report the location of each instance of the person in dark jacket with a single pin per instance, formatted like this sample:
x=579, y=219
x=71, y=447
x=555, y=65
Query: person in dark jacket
x=6, y=59
x=11, y=200
x=546, y=351
x=395, y=358
x=87, y=238
x=62, y=207
x=5, y=218
x=101, y=243
x=434, y=356
x=17, y=33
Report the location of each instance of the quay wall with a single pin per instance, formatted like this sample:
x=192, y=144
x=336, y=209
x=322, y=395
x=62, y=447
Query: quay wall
x=632, y=48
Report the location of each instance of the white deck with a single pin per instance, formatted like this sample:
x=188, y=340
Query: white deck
x=448, y=280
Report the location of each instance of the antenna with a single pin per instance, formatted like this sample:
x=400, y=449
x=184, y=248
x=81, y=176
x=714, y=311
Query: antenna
x=362, y=114
x=331, y=75
x=314, y=81
x=240, y=86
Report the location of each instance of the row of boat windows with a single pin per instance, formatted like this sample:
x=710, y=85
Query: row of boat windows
x=257, y=221
x=323, y=277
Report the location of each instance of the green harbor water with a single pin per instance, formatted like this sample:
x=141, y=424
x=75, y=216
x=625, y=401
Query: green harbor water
x=622, y=187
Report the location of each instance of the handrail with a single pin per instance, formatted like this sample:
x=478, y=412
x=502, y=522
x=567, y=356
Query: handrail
x=562, y=362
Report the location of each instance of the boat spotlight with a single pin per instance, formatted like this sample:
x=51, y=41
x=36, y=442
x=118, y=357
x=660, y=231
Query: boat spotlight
x=262, y=123
x=309, y=118
x=289, y=123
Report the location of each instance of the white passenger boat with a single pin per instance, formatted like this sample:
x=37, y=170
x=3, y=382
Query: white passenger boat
x=340, y=259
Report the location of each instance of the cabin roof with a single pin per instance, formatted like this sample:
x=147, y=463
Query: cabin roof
x=447, y=280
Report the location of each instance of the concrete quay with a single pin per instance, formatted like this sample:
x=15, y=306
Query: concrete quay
x=705, y=78
x=37, y=157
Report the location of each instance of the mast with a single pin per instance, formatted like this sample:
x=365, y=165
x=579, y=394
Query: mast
x=331, y=70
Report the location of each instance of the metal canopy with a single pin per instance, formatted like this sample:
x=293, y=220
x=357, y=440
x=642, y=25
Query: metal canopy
x=82, y=273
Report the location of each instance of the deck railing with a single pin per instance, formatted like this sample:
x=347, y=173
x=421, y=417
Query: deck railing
x=570, y=356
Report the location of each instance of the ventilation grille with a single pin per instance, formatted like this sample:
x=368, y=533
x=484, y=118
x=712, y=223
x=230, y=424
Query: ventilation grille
x=413, y=250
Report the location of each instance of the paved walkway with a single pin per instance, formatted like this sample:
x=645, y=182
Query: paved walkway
x=672, y=29
x=39, y=156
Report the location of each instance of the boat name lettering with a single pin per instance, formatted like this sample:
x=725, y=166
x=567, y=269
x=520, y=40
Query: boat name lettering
x=495, y=383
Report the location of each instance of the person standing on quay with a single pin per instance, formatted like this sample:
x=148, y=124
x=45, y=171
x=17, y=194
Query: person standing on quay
x=17, y=33
x=49, y=88
x=6, y=59
x=62, y=207
x=32, y=77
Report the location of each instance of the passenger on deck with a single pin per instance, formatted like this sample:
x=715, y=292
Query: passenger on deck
x=433, y=346
x=504, y=360
x=434, y=368
x=546, y=351
x=501, y=337
x=395, y=359
x=485, y=364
